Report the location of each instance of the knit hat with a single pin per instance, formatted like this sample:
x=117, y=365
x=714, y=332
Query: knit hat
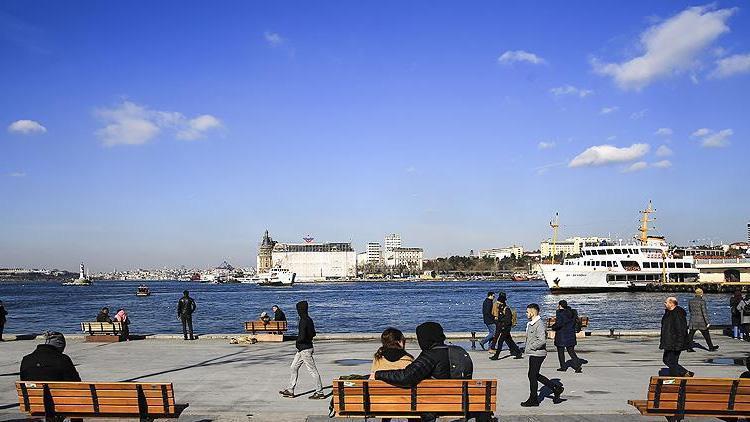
x=53, y=338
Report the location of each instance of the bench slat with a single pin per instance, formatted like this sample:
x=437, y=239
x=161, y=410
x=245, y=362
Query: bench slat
x=271, y=327
x=101, y=393
x=715, y=397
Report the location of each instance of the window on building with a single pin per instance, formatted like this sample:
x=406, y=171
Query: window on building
x=610, y=251
x=618, y=251
x=646, y=264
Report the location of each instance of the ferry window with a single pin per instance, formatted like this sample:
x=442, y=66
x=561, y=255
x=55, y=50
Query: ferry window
x=646, y=264
x=615, y=263
x=670, y=265
x=635, y=251
x=596, y=263
x=610, y=251
x=609, y=263
x=618, y=251
x=688, y=265
x=600, y=251
x=680, y=265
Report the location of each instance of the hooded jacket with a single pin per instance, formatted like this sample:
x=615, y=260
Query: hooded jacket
x=392, y=359
x=564, y=328
x=433, y=362
x=279, y=315
x=102, y=317
x=504, y=321
x=47, y=363
x=306, y=327
x=674, y=327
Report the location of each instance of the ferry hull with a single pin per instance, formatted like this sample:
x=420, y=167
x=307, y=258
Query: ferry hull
x=573, y=278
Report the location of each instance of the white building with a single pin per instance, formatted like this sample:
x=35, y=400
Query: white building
x=316, y=261
x=392, y=241
x=374, y=253
x=500, y=253
x=569, y=246
x=408, y=257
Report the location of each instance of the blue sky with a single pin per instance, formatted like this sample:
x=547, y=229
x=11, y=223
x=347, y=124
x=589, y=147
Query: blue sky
x=166, y=133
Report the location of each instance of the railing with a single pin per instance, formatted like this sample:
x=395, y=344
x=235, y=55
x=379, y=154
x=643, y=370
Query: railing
x=722, y=261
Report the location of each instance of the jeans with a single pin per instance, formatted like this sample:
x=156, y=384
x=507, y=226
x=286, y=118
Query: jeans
x=305, y=357
x=2, y=327
x=572, y=352
x=671, y=358
x=736, y=331
x=706, y=336
x=187, y=326
x=535, y=364
x=490, y=334
x=505, y=337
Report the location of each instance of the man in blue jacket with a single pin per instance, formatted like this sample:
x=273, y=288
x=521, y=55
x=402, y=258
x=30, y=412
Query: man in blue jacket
x=488, y=319
x=565, y=335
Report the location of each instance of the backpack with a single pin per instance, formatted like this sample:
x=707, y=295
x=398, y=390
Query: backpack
x=576, y=320
x=496, y=309
x=461, y=365
x=513, y=317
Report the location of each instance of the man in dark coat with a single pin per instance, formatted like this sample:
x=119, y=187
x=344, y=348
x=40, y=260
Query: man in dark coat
x=674, y=337
x=488, y=319
x=504, y=324
x=3, y=314
x=433, y=362
x=278, y=314
x=185, y=309
x=48, y=362
x=304, y=355
x=565, y=336
x=103, y=315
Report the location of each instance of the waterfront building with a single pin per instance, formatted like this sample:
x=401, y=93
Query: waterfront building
x=265, y=251
x=374, y=253
x=411, y=258
x=316, y=261
x=570, y=246
x=500, y=253
x=392, y=241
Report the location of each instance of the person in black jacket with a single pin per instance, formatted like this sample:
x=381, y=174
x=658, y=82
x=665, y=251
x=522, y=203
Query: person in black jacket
x=3, y=314
x=565, y=335
x=674, y=337
x=48, y=362
x=433, y=362
x=278, y=314
x=488, y=319
x=103, y=315
x=304, y=354
x=504, y=324
x=185, y=309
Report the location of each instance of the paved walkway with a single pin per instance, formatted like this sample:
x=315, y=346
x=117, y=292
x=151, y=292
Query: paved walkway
x=240, y=382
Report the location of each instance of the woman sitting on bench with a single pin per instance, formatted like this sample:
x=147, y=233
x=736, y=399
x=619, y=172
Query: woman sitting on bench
x=391, y=355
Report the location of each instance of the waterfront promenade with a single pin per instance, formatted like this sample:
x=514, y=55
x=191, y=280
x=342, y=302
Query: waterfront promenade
x=222, y=381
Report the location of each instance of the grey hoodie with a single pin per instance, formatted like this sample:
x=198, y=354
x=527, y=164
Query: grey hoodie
x=536, y=338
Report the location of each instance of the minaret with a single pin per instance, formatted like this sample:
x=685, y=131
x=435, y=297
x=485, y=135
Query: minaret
x=265, y=253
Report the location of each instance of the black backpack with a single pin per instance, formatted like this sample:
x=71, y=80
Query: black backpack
x=461, y=365
x=576, y=320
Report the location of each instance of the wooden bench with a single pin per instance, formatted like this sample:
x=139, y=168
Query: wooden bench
x=146, y=401
x=271, y=331
x=677, y=397
x=584, y=324
x=371, y=398
x=105, y=332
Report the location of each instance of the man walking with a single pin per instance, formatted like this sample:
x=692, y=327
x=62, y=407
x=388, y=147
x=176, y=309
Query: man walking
x=536, y=349
x=503, y=326
x=304, y=354
x=674, y=337
x=185, y=309
x=488, y=319
x=3, y=314
x=565, y=335
x=699, y=320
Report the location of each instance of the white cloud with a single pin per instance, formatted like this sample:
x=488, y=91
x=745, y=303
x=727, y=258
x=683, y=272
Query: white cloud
x=637, y=166
x=663, y=164
x=133, y=124
x=17, y=174
x=639, y=114
x=608, y=110
x=663, y=151
x=670, y=47
x=510, y=57
x=26, y=127
x=732, y=65
x=664, y=131
x=546, y=145
x=198, y=126
x=600, y=155
x=711, y=139
x=273, y=39
x=570, y=90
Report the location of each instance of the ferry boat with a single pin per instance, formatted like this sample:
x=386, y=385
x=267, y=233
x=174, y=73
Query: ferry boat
x=275, y=277
x=82, y=279
x=644, y=265
x=143, y=291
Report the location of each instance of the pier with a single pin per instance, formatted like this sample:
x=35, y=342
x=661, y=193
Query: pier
x=222, y=381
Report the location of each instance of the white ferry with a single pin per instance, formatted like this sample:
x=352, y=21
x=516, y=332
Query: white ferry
x=275, y=277
x=609, y=266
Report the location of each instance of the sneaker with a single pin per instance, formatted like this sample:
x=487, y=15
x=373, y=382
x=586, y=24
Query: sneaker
x=287, y=393
x=518, y=356
x=530, y=403
x=562, y=369
x=558, y=392
x=481, y=345
x=689, y=374
x=579, y=370
x=317, y=396
x=494, y=358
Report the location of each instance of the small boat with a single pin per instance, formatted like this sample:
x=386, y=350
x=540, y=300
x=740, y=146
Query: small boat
x=275, y=277
x=143, y=291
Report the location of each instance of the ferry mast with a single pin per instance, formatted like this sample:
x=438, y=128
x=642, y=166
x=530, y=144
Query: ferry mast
x=644, y=222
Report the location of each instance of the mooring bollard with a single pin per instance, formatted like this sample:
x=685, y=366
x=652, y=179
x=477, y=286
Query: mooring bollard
x=473, y=340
